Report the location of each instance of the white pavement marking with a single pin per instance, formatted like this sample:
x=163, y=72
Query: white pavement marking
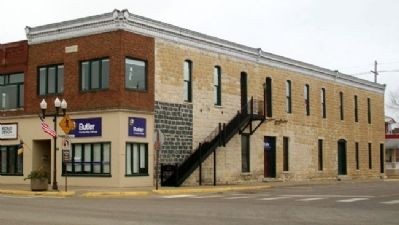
x=391, y=202
x=352, y=200
x=177, y=196
x=9, y=196
x=237, y=197
x=207, y=196
x=309, y=199
x=274, y=198
x=329, y=196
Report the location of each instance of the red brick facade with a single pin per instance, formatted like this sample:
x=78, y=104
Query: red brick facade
x=113, y=45
x=13, y=57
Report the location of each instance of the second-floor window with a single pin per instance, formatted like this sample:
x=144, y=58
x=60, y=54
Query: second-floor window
x=288, y=96
x=217, y=83
x=187, y=75
x=135, y=74
x=369, y=110
x=323, y=103
x=11, y=91
x=94, y=74
x=356, y=109
x=51, y=79
x=341, y=105
x=307, y=101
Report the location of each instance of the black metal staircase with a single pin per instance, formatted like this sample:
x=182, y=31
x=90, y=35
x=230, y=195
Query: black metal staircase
x=240, y=123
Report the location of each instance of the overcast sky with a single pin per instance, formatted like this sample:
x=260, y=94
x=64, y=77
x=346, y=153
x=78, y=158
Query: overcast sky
x=344, y=35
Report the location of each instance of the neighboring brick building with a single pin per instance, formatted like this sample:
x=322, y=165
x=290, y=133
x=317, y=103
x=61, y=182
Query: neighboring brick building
x=119, y=69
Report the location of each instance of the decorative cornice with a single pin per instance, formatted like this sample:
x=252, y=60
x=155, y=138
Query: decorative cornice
x=123, y=20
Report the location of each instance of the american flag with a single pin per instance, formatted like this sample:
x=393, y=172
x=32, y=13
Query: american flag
x=46, y=128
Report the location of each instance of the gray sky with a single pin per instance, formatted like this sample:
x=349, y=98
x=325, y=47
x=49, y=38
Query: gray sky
x=347, y=35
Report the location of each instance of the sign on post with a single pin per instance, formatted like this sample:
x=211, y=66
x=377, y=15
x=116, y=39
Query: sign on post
x=67, y=124
x=66, y=155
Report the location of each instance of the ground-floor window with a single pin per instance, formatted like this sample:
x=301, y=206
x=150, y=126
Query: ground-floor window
x=285, y=154
x=320, y=155
x=357, y=155
x=91, y=159
x=370, y=158
x=245, y=153
x=136, y=159
x=11, y=163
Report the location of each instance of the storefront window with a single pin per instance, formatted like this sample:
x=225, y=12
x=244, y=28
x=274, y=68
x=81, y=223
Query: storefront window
x=11, y=91
x=11, y=163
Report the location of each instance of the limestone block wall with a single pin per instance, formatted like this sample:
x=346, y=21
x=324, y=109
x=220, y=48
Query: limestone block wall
x=302, y=130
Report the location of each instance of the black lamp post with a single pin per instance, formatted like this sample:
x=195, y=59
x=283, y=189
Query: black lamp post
x=58, y=104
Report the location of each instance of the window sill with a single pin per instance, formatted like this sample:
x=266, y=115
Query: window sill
x=136, y=90
x=137, y=175
x=218, y=106
x=12, y=110
x=87, y=175
x=11, y=175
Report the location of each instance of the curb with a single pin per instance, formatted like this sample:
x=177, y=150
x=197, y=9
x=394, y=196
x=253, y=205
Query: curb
x=104, y=194
x=36, y=193
x=208, y=190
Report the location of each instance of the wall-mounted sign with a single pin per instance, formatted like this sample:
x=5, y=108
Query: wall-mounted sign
x=89, y=127
x=137, y=127
x=8, y=131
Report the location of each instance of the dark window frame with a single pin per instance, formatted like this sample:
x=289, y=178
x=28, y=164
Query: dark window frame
x=189, y=81
x=356, y=109
x=100, y=78
x=142, y=171
x=20, y=88
x=56, y=80
x=92, y=163
x=11, y=153
x=145, y=71
x=370, y=156
x=341, y=105
x=323, y=103
x=218, y=87
x=369, y=110
x=288, y=95
x=245, y=153
x=307, y=99
x=320, y=154
x=357, y=155
x=286, y=166
x=269, y=96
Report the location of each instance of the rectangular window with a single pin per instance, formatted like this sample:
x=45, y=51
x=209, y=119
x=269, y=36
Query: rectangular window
x=51, y=79
x=94, y=74
x=217, y=85
x=288, y=96
x=90, y=159
x=369, y=110
x=323, y=103
x=11, y=91
x=136, y=159
x=187, y=70
x=320, y=155
x=341, y=105
x=357, y=155
x=135, y=74
x=370, y=158
x=307, y=101
x=245, y=166
x=11, y=163
x=285, y=154
x=356, y=109
x=269, y=100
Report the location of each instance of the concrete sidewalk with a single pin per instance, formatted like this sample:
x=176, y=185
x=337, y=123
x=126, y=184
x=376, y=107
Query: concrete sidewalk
x=95, y=192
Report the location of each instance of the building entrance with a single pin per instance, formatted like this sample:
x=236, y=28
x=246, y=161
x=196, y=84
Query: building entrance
x=269, y=156
x=41, y=156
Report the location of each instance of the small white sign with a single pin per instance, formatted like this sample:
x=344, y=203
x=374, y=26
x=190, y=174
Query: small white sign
x=71, y=49
x=9, y=131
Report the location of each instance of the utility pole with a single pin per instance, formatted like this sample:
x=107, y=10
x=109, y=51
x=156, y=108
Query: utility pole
x=375, y=72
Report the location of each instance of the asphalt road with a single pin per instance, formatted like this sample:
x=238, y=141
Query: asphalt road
x=340, y=203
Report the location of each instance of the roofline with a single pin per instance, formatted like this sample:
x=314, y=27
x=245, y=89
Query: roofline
x=123, y=20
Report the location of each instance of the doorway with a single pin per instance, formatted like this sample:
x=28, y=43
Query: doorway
x=382, y=161
x=342, y=157
x=269, y=157
x=41, y=156
x=244, y=92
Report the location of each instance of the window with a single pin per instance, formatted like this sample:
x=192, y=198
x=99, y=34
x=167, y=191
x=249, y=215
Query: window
x=341, y=105
x=94, y=74
x=11, y=162
x=356, y=109
x=136, y=159
x=357, y=155
x=323, y=103
x=288, y=96
x=307, y=101
x=51, y=79
x=245, y=153
x=370, y=158
x=135, y=74
x=320, y=155
x=217, y=85
x=285, y=154
x=11, y=91
x=91, y=159
x=187, y=70
x=269, y=100
x=369, y=110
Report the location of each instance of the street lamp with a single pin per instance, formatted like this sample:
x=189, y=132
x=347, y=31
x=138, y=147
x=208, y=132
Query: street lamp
x=58, y=104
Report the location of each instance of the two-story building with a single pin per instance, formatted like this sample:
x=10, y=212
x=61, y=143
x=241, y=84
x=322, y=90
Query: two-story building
x=227, y=113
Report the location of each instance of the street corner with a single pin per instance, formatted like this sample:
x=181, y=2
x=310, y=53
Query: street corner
x=208, y=189
x=58, y=194
x=114, y=194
